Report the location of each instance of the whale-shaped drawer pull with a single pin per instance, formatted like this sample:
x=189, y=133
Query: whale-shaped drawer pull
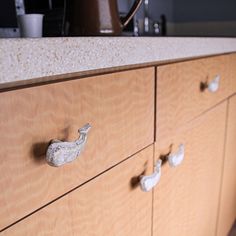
x=176, y=158
x=147, y=183
x=60, y=153
x=214, y=85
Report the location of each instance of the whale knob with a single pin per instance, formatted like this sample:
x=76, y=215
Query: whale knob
x=60, y=153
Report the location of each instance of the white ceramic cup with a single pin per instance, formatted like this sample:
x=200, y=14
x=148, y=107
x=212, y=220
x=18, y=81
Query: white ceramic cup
x=31, y=25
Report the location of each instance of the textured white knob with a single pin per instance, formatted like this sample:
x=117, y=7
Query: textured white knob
x=176, y=158
x=214, y=85
x=60, y=153
x=149, y=182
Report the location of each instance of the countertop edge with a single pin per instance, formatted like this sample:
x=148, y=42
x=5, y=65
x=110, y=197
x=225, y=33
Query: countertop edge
x=31, y=61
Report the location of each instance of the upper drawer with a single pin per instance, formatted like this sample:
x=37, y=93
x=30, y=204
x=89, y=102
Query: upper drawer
x=120, y=109
x=182, y=91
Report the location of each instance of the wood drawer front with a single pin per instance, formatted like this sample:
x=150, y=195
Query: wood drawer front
x=186, y=199
x=227, y=210
x=111, y=204
x=120, y=109
x=179, y=97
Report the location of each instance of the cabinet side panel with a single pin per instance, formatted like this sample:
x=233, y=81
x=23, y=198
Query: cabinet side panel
x=227, y=212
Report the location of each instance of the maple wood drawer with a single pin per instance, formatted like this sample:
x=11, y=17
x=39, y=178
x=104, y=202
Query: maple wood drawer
x=111, y=204
x=186, y=199
x=183, y=89
x=120, y=109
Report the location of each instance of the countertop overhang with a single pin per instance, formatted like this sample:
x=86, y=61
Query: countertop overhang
x=27, y=61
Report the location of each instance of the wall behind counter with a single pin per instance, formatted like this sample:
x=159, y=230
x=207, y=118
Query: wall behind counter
x=191, y=17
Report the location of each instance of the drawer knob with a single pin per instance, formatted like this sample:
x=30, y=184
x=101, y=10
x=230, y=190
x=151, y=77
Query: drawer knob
x=149, y=182
x=60, y=153
x=176, y=158
x=213, y=86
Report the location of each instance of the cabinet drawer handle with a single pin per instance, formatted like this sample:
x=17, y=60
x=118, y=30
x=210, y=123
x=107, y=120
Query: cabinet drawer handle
x=60, y=153
x=176, y=158
x=150, y=181
x=214, y=85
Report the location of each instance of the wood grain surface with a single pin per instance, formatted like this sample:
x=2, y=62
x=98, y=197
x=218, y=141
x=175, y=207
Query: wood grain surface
x=227, y=211
x=111, y=204
x=179, y=97
x=120, y=109
x=187, y=197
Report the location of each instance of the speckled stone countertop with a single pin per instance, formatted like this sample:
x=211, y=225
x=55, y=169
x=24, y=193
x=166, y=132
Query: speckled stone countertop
x=27, y=60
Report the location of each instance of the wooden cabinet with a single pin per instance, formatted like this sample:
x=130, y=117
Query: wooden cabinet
x=99, y=193
x=191, y=199
x=111, y=204
x=227, y=210
x=186, y=199
x=120, y=109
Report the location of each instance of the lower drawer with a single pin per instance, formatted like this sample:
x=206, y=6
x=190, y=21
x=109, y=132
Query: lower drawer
x=187, y=198
x=111, y=204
